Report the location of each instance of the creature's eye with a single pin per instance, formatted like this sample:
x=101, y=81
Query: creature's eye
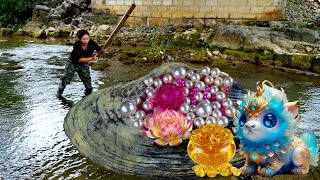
x=269, y=120
x=242, y=120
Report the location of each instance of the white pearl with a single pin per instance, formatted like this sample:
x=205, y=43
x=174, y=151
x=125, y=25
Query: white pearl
x=146, y=105
x=223, y=121
x=157, y=82
x=199, y=121
x=138, y=124
x=218, y=81
x=198, y=96
x=214, y=89
x=230, y=111
x=215, y=72
x=150, y=93
x=127, y=108
x=206, y=102
x=189, y=84
x=205, y=71
x=187, y=100
x=209, y=80
x=220, y=96
x=195, y=77
x=227, y=102
x=179, y=73
x=216, y=105
x=136, y=100
x=190, y=116
x=185, y=108
x=216, y=113
x=189, y=73
x=211, y=120
x=193, y=108
x=200, y=84
x=140, y=114
x=148, y=82
x=203, y=109
x=167, y=78
x=185, y=91
x=228, y=81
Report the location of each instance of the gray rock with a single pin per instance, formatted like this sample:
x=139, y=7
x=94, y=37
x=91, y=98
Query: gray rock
x=42, y=8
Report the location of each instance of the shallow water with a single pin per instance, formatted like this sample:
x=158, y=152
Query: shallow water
x=32, y=141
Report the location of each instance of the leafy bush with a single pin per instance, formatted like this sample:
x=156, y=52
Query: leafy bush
x=15, y=12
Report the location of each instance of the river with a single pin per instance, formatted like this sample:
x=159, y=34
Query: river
x=32, y=140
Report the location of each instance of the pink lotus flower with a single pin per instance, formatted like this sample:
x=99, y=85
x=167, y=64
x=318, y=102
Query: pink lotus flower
x=169, y=127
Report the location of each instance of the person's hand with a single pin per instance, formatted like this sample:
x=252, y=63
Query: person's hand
x=95, y=57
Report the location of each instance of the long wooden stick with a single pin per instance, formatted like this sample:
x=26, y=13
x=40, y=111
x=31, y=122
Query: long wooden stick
x=120, y=24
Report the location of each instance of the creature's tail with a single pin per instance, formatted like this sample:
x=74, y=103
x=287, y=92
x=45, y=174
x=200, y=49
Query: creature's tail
x=310, y=140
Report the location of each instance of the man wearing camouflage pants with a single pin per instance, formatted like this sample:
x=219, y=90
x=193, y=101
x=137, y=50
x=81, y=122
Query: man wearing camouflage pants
x=81, y=54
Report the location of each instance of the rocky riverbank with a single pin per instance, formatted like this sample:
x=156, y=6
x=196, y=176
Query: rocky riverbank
x=291, y=46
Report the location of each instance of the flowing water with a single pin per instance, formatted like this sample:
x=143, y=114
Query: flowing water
x=32, y=141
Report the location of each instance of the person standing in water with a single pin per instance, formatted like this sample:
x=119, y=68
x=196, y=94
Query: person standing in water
x=81, y=54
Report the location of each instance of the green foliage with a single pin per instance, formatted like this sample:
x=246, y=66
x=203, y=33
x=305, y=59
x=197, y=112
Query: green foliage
x=15, y=12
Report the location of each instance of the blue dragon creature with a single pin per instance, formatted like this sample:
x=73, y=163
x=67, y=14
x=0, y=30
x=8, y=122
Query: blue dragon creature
x=266, y=123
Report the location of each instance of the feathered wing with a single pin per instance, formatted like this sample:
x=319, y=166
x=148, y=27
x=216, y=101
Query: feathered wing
x=310, y=140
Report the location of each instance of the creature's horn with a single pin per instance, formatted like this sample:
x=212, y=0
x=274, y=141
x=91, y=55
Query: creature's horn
x=259, y=90
x=267, y=81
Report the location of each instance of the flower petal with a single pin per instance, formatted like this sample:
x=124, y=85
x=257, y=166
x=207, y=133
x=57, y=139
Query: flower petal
x=166, y=138
x=181, y=134
x=186, y=135
x=149, y=123
x=150, y=134
x=160, y=142
x=175, y=142
x=156, y=132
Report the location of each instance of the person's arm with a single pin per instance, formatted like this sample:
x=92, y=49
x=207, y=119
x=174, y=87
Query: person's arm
x=88, y=59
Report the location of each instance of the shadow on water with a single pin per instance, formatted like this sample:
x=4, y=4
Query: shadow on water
x=32, y=141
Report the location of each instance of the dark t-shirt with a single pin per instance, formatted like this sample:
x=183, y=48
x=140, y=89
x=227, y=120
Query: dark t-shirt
x=78, y=52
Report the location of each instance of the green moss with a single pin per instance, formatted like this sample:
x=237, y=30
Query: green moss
x=221, y=62
x=10, y=65
x=301, y=62
x=100, y=65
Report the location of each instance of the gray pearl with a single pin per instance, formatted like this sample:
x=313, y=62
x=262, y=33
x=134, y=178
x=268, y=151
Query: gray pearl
x=187, y=100
x=203, y=110
x=138, y=124
x=140, y=114
x=157, y=82
x=190, y=116
x=198, y=96
x=228, y=81
x=216, y=113
x=218, y=81
x=127, y=108
x=199, y=121
x=185, y=91
x=193, y=108
x=146, y=105
x=205, y=71
x=220, y=96
x=150, y=93
x=227, y=102
x=216, y=105
x=179, y=73
x=208, y=80
x=215, y=72
x=195, y=77
x=223, y=121
x=230, y=111
x=189, y=84
x=214, y=89
x=136, y=100
x=206, y=102
x=200, y=84
x=189, y=73
x=167, y=78
x=211, y=120
x=148, y=82
x=185, y=108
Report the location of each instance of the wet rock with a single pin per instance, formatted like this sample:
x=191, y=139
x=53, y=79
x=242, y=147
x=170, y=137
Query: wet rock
x=6, y=31
x=6, y=54
x=309, y=49
x=42, y=8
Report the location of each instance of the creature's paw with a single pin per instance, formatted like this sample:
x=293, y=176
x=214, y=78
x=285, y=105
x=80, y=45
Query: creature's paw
x=248, y=170
x=266, y=172
x=299, y=171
